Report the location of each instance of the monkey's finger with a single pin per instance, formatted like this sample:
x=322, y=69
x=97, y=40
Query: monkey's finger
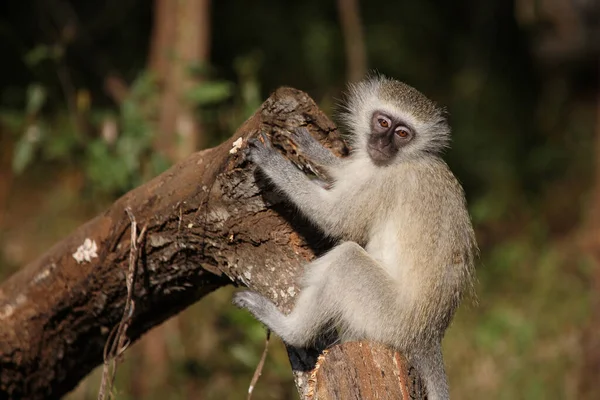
x=265, y=140
x=301, y=131
x=302, y=137
x=254, y=142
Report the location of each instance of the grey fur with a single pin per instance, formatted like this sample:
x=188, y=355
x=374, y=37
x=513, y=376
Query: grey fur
x=309, y=145
x=407, y=245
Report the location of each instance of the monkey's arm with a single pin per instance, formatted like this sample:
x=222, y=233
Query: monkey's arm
x=314, y=201
x=312, y=149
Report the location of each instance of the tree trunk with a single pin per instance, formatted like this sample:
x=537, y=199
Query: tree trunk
x=589, y=388
x=180, y=41
x=207, y=224
x=354, y=40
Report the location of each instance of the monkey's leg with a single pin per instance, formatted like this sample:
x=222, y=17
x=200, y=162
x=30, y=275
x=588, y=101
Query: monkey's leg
x=345, y=286
x=354, y=290
x=348, y=287
x=314, y=150
x=309, y=315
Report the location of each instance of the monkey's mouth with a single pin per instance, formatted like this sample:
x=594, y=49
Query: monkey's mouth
x=378, y=156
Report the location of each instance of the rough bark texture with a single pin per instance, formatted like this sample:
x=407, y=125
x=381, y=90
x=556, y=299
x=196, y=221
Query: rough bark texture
x=208, y=224
x=376, y=372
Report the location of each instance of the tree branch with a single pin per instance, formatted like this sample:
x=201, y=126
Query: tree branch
x=207, y=224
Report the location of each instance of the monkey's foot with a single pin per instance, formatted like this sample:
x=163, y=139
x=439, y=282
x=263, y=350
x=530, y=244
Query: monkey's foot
x=247, y=299
x=262, y=308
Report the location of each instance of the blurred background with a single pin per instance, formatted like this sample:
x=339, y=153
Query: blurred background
x=98, y=97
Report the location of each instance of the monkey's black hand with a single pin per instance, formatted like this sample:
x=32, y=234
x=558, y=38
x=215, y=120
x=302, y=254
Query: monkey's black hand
x=260, y=150
x=302, y=137
x=312, y=149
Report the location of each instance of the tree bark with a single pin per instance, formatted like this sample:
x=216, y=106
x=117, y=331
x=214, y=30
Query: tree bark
x=588, y=385
x=208, y=223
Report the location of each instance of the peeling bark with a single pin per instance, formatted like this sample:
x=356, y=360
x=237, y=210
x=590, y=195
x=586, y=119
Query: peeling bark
x=208, y=224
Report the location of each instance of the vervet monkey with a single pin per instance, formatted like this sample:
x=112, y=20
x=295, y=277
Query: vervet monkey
x=407, y=247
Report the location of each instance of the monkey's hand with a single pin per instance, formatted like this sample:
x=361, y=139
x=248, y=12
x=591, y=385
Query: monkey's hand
x=302, y=137
x=307, y=194
x=312, y=148
x=262, y=153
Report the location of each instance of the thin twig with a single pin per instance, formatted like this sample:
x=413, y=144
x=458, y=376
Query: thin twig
x=260, y=366
x=118, y=341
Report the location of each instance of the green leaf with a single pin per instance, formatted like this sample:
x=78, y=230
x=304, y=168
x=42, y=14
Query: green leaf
x=36, y=98
x=210, y=92
x=13, y=120
x=25, y=149
x=37, y=55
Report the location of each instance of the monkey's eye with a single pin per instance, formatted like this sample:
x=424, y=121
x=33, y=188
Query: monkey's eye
x=384, y=122
x=402, y=132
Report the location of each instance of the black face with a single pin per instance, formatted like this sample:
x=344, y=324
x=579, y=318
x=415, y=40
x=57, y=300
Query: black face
x=388, y=136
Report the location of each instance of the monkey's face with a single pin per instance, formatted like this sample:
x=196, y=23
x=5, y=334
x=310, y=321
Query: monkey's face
x=388, y=135
x=393, y=122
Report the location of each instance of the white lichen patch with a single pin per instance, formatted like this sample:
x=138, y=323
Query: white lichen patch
x=157, y=240
x=8, y=309
x=44, y=274
x=86, y=251
x=241, y=279
x=291, y=291
x=236, y=146
x=218, y=214
x=100, y=302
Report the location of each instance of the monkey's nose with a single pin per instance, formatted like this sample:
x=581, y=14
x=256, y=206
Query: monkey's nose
x=383, y=143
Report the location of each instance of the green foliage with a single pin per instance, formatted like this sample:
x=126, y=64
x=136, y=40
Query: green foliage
x=250, y=97
x=113, y=163
x=41, y=53
x=33, y=133
x=209, y=93
x=25, y=148
x=36, y=97
x=121, y=163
